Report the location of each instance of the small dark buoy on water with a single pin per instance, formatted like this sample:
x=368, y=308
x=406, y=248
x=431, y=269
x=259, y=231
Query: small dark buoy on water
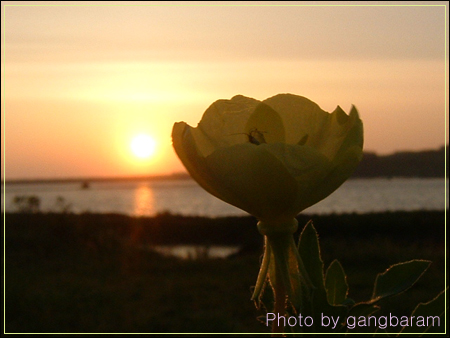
x=85, y=185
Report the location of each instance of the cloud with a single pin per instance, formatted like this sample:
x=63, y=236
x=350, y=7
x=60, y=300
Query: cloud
x=233, y=33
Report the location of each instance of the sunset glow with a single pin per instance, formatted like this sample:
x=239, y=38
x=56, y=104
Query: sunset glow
x=91, y=78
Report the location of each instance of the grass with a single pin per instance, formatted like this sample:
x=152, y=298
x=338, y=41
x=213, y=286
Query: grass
x=70, y=273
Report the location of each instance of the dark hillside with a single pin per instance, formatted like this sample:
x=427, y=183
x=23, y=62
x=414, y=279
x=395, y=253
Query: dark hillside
x=430, y=163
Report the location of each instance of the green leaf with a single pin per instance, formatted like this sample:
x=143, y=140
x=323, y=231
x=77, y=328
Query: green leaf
x=336, y=284
x=398, y=278
x=309, y=250
x=433, y=314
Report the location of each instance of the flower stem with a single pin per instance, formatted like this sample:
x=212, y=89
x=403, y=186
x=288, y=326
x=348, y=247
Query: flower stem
x=284, y=267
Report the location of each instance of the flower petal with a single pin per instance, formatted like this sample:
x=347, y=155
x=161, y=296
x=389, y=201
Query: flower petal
x=300, y=115
x=267, y=121
x=260, y=182
x=223, y=124
x=306, y=123
x=297, y=159
x=335, y=131
x=307, y=165
x=354, y=136
x=342, y=168
x=186, y=149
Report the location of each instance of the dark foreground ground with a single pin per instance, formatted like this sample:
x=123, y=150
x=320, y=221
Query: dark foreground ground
x=87, y=273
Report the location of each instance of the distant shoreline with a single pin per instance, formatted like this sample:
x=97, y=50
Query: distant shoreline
x=180, y=176
x=421, y=164
x=162, y=178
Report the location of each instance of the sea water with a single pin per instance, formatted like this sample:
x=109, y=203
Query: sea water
x=185, y=197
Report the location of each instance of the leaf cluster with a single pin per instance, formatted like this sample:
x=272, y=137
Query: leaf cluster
x=332, y=311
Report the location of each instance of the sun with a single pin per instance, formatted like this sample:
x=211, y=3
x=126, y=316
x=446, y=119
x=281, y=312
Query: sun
x=143, y=146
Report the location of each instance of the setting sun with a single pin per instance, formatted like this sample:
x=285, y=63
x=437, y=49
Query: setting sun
x=143, y=146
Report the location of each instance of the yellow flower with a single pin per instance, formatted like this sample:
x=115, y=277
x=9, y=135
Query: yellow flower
x=272, y=158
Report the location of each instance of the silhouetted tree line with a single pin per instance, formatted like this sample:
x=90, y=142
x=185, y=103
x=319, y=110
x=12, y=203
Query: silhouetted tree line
x=430, y=163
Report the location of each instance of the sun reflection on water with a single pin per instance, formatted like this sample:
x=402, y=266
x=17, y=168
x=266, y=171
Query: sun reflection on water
x=144, y=200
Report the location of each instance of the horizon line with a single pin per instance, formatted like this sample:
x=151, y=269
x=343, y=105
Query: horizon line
x=155, y=177
x=175, y=175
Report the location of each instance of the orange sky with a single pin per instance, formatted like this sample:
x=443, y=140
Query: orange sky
x=79, y=82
